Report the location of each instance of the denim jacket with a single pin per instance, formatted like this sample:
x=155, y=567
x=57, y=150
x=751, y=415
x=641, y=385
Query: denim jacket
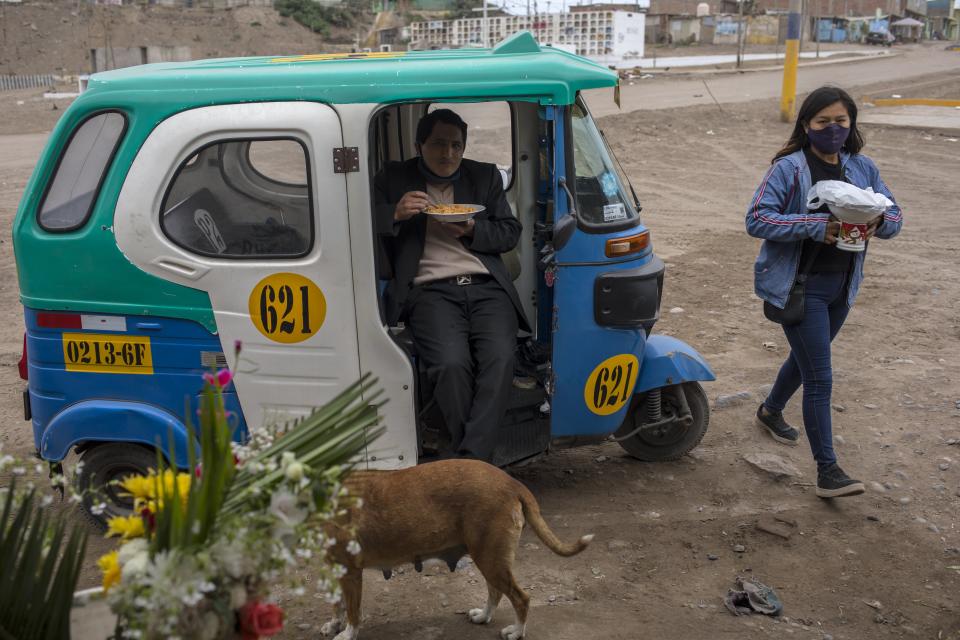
x=778, y=214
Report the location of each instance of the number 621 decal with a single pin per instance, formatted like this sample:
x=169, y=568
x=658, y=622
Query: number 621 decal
x=610, y=385
x=287, y=308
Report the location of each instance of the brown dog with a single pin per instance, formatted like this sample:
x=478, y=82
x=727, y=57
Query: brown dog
x=441, y=510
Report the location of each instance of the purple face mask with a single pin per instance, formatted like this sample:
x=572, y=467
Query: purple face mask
x=830, y=139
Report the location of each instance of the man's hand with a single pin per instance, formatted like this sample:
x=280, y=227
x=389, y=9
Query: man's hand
x=459, y=229
x=412, y=203
x=833, y=231
x=873, y=225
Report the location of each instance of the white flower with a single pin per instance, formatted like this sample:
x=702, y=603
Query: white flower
x=298, y=592
x=288, y=458
x=306, y=554
x=133, y=548
x=97, y=509
x=47, y=501
x=238, y=596
x=234, y=561
x=192, y=598
x=19, y=471
x=294, y=471
x=284, y=507
x=137, y=565
x=5, y=460
x=353, y=547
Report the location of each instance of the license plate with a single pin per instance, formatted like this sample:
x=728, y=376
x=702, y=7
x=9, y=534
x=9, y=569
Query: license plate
x=104, y=353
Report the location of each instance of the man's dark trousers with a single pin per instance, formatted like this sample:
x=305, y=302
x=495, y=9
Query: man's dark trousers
x=466, y=337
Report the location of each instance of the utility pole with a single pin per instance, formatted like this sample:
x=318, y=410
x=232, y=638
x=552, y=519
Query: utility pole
x=740, y=34
x=788, y=93
x=819, y=12
x=486, y=29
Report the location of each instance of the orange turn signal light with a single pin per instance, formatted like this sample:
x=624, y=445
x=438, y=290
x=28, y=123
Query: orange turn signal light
x=619, y=247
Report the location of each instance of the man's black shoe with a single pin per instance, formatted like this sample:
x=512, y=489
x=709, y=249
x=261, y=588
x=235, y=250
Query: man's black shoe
x=832, y=482
x=777, y=426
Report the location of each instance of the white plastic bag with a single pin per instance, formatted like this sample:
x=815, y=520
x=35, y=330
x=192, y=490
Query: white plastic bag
x=848, y=202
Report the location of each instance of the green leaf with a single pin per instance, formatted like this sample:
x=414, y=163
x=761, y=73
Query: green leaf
x=36, y=592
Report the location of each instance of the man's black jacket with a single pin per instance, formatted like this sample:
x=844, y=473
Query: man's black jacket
x=496, y=230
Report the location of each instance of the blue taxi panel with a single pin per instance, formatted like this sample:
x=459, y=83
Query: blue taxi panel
x=116, y=368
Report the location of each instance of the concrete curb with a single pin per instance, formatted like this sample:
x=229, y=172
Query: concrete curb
x=915, y=102
x=715, y=72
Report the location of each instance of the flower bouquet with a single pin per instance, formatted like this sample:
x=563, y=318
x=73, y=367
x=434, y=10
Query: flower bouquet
x=199, y=555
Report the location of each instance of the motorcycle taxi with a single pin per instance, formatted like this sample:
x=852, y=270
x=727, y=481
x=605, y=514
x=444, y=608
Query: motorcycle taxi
x=179, y=209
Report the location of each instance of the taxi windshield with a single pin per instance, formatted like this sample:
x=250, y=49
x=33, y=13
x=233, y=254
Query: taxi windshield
x=603, y=194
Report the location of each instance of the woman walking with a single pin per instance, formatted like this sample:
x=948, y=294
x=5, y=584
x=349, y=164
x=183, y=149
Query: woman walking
x=801, y=245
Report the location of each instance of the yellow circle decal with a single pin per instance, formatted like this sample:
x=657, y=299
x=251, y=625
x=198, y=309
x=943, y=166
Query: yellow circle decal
x=610, y=385
x=287, y=308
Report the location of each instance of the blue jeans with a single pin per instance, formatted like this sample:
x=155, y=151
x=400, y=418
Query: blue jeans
x=825, y=309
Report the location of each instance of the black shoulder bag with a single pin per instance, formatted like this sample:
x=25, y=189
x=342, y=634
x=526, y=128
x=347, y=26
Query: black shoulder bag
x=792, y=312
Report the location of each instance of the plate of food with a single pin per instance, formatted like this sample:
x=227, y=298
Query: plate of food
x=453, y=212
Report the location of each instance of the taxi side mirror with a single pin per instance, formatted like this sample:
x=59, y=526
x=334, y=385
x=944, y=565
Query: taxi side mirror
x=565, y=226
x=563, y=230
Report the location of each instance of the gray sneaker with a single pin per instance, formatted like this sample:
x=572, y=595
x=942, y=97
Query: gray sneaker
x=777, y=427
x=832, y=482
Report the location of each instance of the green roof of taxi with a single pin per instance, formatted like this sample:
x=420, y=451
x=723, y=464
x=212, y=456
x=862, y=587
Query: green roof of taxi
x=517, y=68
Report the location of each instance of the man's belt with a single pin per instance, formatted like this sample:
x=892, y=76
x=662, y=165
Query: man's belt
x=467, y=278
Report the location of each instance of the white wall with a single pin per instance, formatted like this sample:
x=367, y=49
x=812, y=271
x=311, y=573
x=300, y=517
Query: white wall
x=628, y=30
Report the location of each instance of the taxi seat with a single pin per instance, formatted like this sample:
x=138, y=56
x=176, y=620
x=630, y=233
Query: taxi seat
x=192, y=223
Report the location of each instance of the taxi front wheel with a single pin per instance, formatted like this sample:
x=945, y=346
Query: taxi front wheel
x=102, y=465
x=663, y=425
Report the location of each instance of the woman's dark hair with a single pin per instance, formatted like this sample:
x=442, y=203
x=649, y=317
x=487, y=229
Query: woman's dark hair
x=817, y=101
x=446, y=116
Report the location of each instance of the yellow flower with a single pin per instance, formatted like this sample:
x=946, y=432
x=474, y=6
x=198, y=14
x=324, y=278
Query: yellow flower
x=110, y=567
x=127, y=528
x=139, y=487
x=183, y=481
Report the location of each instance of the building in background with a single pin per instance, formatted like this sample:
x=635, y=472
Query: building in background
x=608, y=34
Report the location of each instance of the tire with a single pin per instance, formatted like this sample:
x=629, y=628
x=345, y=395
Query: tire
x=103, y=464
x=675, y=440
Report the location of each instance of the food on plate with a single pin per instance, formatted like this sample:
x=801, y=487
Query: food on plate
x=450, y=209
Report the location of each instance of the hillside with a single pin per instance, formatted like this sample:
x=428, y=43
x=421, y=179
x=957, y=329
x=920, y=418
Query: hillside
x=56, y=37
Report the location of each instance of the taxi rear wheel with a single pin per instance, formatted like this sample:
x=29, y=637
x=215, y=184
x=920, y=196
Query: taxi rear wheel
x=672, y=437
x=104, y=464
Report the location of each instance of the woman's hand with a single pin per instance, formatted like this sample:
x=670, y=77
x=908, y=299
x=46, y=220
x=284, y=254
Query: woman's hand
x=873, y=225
x=833, y=231
x=412, y=203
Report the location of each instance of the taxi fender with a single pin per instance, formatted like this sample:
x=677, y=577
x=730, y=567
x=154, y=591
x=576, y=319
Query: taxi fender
x=114, y=421
x=667, y=361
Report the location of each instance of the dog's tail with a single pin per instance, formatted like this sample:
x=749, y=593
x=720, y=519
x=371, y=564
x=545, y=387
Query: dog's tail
x=531, y=511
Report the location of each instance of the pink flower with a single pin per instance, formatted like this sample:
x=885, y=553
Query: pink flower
x=224, y=376
x=257, y=619
x=219, y=379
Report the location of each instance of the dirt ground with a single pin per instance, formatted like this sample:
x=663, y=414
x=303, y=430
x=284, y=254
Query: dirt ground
x=672, y=537
x=57, y=36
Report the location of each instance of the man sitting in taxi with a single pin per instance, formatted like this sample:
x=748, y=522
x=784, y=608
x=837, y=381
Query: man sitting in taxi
x=449, y=284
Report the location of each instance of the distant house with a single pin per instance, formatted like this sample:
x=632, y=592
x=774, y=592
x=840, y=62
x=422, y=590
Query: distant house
x=607, y=34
